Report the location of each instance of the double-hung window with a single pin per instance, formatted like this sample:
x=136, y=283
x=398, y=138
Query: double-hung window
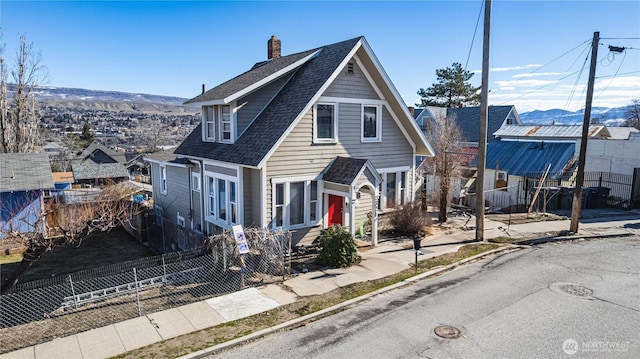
x=295, y=204
x=222, y=201
x=371, y=124
x=209, y=123
x=393, y=189
x=325, y=123
x=225, y=123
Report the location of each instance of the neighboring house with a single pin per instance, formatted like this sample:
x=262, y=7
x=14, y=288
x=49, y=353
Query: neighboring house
x=139, y=170
x=468, y=119
x=23, y=179
x=298, y=142
x=510, y=162
x=98, y=165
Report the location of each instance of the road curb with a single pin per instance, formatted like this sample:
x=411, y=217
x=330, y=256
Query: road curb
x=327, y=311
x=535, y=241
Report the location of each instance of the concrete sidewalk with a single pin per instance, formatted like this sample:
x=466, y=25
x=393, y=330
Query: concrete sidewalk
x=387, y=258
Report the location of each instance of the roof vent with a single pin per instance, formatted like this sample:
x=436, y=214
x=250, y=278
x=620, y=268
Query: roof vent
x=350, y=67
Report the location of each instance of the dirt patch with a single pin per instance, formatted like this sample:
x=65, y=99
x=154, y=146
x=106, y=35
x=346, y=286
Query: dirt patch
x=519, y=218
x=99, y=249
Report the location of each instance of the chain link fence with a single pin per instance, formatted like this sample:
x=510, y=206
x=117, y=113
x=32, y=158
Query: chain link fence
x=40, y=311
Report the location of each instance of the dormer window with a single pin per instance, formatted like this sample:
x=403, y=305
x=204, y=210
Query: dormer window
x=218, y=124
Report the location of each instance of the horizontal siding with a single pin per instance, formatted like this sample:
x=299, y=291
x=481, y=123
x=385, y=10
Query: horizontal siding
x=222, y=170
x=298, y=156
x=251, y=105
x=251, y=182
x=364, y=208
x=353, y=85
x=178, y=192
x=336, y=187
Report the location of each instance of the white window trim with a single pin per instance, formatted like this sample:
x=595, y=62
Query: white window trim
x=196, y=186
x=163, y=179
x=180, y=221
x=226, y=223
x=218, y=124
x=335, y=123
x=205, y=122
x=286, y=215
x=231, y=124
x=378, y=137
x=398, y=185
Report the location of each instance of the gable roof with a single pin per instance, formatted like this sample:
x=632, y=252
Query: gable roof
x=344, y=170
x=523, y=157
x=313, y=70
x=260, y=74
x=468, y=119
x=96, y=149
x=25, y=172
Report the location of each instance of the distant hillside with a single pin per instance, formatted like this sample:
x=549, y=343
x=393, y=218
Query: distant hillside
x=115, y=101
x=608, y=116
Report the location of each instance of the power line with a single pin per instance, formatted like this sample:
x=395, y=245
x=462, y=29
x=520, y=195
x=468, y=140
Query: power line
x=474, y=35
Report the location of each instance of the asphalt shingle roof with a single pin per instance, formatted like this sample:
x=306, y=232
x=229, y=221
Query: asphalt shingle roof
x=84, y=171
x=25, y=172
x=468, y=119
x=344, y=170
x=264, y=132
x=258, y=72
x=523, y=157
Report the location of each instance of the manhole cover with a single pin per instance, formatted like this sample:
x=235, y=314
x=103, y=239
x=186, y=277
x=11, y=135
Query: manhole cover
x=447, y=332
x=572, y=289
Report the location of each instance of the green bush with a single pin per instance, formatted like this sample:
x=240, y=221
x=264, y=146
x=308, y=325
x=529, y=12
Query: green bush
x=338, y=248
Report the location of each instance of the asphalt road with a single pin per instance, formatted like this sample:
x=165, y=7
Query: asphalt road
x=576, y=299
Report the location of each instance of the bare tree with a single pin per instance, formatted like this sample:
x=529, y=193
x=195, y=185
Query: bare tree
x=632, y=115
x=19, y=120
x=41, y=228
x=154, y=135
x=445, y=136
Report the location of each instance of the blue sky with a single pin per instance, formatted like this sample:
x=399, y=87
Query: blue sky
x=538, y=48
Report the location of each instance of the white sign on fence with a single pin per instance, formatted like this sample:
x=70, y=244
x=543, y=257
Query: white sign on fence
x=241, y=241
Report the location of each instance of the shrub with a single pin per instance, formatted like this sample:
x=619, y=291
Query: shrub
x=338, y=248
x=410, y=220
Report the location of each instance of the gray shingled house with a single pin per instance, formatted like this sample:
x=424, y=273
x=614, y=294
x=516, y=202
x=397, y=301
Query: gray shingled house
x=98, y=165
x=298, y=142
x=23, y=179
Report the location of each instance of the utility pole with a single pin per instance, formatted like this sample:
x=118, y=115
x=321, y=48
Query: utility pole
x=484, y=111
x=577, y=194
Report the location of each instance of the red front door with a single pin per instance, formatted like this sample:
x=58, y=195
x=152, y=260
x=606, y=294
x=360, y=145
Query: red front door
x=336, y=204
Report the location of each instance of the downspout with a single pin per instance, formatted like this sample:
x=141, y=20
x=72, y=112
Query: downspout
x=202, y=206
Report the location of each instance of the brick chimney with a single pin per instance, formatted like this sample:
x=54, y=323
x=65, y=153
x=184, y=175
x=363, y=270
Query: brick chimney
x=273, y=48
x=412, y=110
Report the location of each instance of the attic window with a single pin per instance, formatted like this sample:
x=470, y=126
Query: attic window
x=350, y=68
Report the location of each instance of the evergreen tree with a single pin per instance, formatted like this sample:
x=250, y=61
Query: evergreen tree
x=452, y=89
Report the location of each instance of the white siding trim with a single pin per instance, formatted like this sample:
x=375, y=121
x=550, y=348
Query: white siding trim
x=263, y=193
x=313, y=100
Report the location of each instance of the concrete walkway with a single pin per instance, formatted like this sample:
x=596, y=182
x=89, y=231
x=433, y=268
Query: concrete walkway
x=387, y=258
